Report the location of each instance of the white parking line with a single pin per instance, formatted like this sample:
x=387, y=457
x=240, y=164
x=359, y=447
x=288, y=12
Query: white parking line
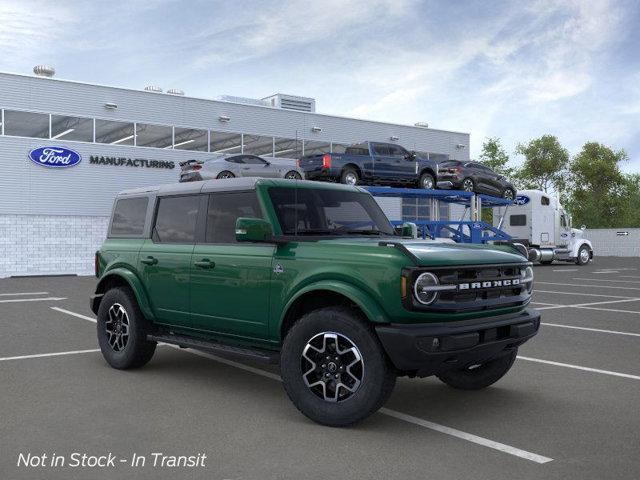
x=605, y=280
x=55, y=354
x=579, y=367
x=628, y=276
x=591, y=286
x=74, y=314
x=588, y=305
x=584, y=294
x=599, y=330
x=566, y=270
x=47, y=299
x=385, y=411
x=23, y=293
x=611, y=310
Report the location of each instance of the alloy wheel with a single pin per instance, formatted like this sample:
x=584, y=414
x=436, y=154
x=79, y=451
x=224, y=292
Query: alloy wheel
x=427, y=183
x=467, y=185
x=350, y=178
x=293, y=176
x=333, y=366
x=117, y=327
x=508, y=194
x=584, y=255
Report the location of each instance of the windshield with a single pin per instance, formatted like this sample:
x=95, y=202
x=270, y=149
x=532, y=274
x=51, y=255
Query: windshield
x=305, y=211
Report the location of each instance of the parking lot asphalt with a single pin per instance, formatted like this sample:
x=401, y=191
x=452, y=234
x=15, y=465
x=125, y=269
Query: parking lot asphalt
x=569, y=408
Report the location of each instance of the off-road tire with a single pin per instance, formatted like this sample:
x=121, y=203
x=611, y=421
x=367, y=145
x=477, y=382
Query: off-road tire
x=425, y=177
x=138, y=350
x=345, y=175
x=378, y=374
x=482, y=376
x=225, y=174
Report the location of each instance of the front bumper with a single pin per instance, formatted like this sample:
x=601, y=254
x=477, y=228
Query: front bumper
x=430, y=349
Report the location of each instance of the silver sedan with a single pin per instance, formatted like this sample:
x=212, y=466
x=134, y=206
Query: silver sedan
x=230, y=166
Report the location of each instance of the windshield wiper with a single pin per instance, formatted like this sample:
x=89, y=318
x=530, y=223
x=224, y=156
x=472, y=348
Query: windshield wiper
x=316, y=231
x=364, y=232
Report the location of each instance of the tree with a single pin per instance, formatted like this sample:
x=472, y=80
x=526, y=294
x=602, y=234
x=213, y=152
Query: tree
x=495, y=157
x=599, y=192
x=545, y=164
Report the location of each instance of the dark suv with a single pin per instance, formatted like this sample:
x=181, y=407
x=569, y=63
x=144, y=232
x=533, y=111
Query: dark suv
x=474, y=177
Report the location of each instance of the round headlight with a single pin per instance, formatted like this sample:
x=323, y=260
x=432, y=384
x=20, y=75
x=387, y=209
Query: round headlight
x=526, y=277
x=422, y=288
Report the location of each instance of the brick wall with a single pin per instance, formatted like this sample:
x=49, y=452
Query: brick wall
x=49, y=244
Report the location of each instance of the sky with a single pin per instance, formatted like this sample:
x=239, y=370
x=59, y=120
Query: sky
x=514, y=70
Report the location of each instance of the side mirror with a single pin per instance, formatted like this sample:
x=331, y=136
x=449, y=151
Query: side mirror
x=410, y=156
x=407, y=229
x=253, y=230
x=583, y=227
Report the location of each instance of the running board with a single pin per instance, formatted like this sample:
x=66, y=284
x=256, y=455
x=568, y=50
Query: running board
x=183, y=341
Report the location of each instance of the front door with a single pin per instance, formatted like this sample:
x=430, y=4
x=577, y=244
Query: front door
x=230, y=281
x=165, y=259
x=254, y=166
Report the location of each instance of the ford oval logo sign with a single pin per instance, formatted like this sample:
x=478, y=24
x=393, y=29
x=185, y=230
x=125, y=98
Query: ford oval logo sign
x=56, y=157
x=521, y=200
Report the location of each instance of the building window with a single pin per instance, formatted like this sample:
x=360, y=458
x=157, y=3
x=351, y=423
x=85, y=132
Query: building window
x=72, y=128
x=191, y=139
x=287, y=148
x=114, y=133
x=26, y=124
x=157, y=136
x=225, y=142
x=257, y=145
x=316, y=148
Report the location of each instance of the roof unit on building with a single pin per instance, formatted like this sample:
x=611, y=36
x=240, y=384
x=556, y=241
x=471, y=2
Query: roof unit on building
x=291, y=102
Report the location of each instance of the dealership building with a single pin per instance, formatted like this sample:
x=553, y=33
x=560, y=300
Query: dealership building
x=52, y=219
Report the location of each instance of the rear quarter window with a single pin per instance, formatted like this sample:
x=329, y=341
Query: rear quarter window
x=129, y=216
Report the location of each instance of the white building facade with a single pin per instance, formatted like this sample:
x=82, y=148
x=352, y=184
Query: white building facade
x=52, y=219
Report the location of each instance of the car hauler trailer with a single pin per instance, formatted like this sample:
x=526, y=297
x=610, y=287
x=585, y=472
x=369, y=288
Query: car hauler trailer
x=538, y=221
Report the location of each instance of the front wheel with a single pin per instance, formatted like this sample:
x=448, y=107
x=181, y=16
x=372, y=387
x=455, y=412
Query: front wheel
x=122, y=331
x=427, y=181
x=293, y=175
x=584, y=256
x=508, y=194
x=334, y=369
x=476, y=377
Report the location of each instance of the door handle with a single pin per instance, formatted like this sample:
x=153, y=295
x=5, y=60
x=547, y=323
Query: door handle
x=204, y=263
x=246, y=168
x=149, y=260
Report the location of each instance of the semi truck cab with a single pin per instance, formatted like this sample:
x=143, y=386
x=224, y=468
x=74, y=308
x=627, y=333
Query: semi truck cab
x=538, y=220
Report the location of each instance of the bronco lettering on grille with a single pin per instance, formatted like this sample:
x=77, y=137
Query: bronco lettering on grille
x=511, y=282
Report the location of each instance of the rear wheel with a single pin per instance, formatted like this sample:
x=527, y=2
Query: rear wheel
x=225, y=174
x=584, y=255
x=476, y=377
x=468, y=185
x=427, y=181
x=334, y=369
x=122, y=330
x=293, y=175
x=349, y=176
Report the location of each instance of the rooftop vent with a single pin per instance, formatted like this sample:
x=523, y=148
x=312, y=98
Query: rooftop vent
x=292, y=102
x=422, y=124
x=44, y=71
x=153, y=88
x=175, y=91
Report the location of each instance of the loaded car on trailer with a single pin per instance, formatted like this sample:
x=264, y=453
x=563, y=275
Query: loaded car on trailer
x=474, y=177
x=310, y=275
x=239, y=165
x=372, y=163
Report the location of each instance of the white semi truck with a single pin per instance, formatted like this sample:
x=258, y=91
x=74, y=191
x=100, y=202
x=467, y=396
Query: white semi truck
x=538, y=221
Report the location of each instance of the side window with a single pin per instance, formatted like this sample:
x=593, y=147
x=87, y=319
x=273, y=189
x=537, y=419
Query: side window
x=395, y=151
x=128, y=216
x=176, y=219
x=544, y=200
x=253, y=160
x=235, y=159
x=563, y=221
x=517, y=220
x=223, y=211
x=381, y=149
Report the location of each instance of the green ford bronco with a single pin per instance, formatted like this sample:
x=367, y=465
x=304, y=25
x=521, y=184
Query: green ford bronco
x=311, y=276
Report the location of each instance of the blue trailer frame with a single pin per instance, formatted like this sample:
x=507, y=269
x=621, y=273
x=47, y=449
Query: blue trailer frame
x=460, y=231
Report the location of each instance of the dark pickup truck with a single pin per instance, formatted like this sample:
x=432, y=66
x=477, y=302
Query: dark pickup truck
x=372, y=163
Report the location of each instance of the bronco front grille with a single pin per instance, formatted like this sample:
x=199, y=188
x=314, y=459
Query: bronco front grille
x=474, y=287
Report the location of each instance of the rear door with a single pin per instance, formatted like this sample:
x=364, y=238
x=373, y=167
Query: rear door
x=230, y=281
x=165, y=259
x=382, y=161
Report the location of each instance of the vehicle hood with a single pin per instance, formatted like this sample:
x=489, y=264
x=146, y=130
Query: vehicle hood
x=434, y=253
